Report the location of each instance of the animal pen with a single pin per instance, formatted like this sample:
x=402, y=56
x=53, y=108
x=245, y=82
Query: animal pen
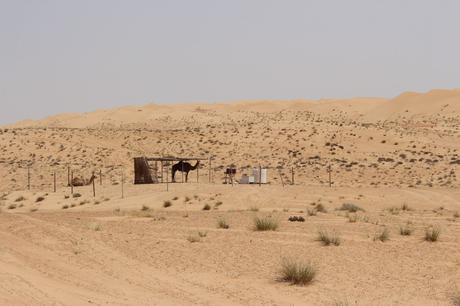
x=155, y=170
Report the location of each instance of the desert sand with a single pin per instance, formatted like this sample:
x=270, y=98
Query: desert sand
x=395, y=159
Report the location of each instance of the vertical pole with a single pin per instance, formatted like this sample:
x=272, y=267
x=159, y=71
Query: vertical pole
x=167, y=178
x=68, y=175
x=198, y=173
x=182, y=165
x=162, y=172
x=122, y=184
x=260, y=175
x=100, y=177
x=292, y=175
x=71, y=182
x=281, y=177
x=209, y=169
x=54, y=179
x=94, y=186
x=330, y=178
x=28, y=177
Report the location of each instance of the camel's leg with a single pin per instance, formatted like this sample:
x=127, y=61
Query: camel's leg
x=186, y=177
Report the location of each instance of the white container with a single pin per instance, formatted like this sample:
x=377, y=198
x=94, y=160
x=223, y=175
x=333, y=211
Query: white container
x=262, y=176
x=245, y=179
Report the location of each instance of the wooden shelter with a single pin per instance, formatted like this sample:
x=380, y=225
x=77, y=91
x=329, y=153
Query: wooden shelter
x=154, y=170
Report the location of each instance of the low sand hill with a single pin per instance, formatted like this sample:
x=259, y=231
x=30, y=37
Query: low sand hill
x=367, y=142
x=390, y=222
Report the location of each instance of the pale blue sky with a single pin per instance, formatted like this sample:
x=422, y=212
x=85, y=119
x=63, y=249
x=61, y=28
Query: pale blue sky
x=61, y=56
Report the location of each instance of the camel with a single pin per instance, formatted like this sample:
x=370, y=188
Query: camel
x=80, y=181
x=183, y=167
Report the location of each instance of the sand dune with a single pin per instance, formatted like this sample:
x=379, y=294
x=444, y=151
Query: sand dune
x=396, y=159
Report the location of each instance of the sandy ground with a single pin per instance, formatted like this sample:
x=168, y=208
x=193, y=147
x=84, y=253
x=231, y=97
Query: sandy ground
x=397, y=159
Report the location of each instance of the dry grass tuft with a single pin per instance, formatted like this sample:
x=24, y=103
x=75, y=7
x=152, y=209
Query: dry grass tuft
x=383, y=236
x=222, y=223
x=350, y=207
x=167, y=204
x=297, y=272
x=329, y=238
x=207, y=207
x=432, y=234
x=265, y=224
x=406, y=230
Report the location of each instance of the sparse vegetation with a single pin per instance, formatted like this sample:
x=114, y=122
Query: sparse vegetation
x=222, y=223
x=40, y=199
x=320, y=208
x=406, y=230
x=145, y=208
x=20, y=199
x=193, y=238
x=265, y=224
x=207, y=207
x=329, y=238
x=297, y=272
x=383, y=235
x=432, y=233
x=167, y=204
x=350, y=207
x=65, y=206
x=76, y=195
x=12, y=206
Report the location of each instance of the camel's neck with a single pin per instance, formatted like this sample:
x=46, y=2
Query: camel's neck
x=196, y=166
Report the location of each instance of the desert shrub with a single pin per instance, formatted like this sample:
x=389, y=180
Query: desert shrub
x=76, y=195
x=265, y=224
x=329, y=238
x=202, y=234
x=65, y=206
x=193, y=238
x=406, y=230
x=20, y=199
x=350, y=207
x=33, y=209
x=167, y=204
x=218, y=203
x=254, y=208
x=456, y=215
x=145, y=208
x=175, y=198
x=297, y=272
x=383, y=235
x=12, y=206
x=95, y=226
x=84, y=202
x=222, y=223
x=312, y=212
x=405, y=207
x=40, y=199
x=352, y=218
x=432, y=234
x=207, y=207
x=321, y=208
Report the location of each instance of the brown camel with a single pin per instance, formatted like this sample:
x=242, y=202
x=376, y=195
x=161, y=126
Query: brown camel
x=183, y=167
x=80, y=181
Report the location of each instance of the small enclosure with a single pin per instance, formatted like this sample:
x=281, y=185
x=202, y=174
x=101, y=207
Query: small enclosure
x=154, y=170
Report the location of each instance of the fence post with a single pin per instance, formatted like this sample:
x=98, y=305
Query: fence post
x=260, y=175
x=292, y=175
x=54, y=180
x=68, y=175
x=94, y=186
x=28, y=177
x=71, y=182
x=330, y=178
x=100, y=177
x=122, y=184
x=209, y=169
